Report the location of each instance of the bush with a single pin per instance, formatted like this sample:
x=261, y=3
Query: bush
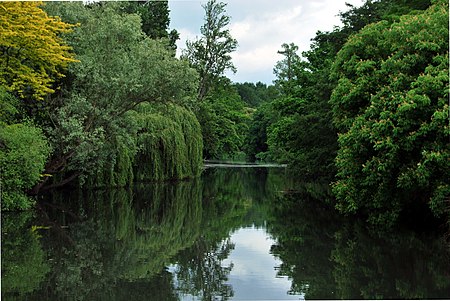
x=23, y=153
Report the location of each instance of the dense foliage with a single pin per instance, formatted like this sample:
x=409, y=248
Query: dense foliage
x=367, y=107
x=114, y=75
x=32, y=52
x=93, y=123
x=391, y=109
x=23, y=153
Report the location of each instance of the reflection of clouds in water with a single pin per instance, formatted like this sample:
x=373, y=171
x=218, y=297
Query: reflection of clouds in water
x=254, y=273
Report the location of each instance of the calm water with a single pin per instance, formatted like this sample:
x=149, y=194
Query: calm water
x=234, y=234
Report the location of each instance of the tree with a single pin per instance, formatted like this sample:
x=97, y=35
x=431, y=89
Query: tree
x=210, y=55
x=32, y=53
x=391, y=110
x=285, y=69
x=120, y=67
x=23, y=153
x=224, y=122
x=155, y=19
x=255, y=94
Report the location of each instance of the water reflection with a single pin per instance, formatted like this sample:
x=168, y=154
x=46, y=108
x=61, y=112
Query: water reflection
x=24, y=265
x=212, y=239
x=118, y=244
x=328, y=257
x=254, y=276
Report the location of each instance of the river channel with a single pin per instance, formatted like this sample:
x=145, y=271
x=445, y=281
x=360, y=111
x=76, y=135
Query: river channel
x=233, y=234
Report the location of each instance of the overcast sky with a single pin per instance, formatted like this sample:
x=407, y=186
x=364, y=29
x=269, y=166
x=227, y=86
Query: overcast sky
x=260, y=27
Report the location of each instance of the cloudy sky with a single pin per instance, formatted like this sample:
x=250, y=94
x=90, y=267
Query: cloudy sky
x=261, y=26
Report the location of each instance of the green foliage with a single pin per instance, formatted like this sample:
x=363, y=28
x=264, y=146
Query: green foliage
x=116, y=170
x=120, y=67
x=165, y=144
x=210, y=55
x=9, y=108
x=255, y=94
x=391, y=108
x=23, y=153
x=169, y=143
x=24, y=265
x=224, y=122
x=299, y=126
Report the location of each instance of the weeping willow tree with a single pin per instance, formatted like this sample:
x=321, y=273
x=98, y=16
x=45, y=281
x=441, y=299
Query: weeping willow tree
x=159, y=142
x=169, y=143
x=116, y=169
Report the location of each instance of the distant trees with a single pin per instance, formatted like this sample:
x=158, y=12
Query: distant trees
x=255, y=94
x=219, y=108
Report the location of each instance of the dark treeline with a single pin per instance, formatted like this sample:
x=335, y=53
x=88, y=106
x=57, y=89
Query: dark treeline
x=108, y=103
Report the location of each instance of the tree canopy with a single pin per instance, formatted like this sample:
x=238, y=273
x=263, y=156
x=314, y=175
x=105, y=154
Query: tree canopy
x=32, y=52
x=391, y=109
x=210, y=55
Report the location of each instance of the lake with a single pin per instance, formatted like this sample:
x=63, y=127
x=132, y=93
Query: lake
x=233, y=234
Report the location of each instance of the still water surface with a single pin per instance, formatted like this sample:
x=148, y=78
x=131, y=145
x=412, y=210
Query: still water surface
x=234, y=234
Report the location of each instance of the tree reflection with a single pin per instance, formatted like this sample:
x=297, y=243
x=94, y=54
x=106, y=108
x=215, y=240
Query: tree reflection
x=200, y=273
x=401, y=265
x=304, y=230
x=152, y=242
x=112, y=240
x=328, y=257
x=23, y=261
x=229, y=197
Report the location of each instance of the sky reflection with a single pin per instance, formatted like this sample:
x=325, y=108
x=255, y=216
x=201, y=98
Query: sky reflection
x=254, y=273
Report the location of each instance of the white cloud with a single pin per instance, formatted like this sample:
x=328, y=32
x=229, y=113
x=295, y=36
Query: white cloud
x=185, y=34
x=262, y=26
